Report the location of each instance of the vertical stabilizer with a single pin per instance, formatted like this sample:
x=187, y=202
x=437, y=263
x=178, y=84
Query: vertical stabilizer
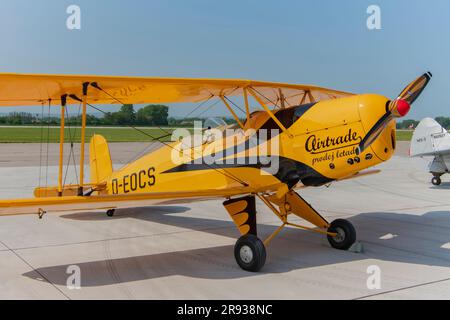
x=429, y=138
x=99, y=159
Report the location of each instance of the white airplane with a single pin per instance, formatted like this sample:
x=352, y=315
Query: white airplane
x=430, y=139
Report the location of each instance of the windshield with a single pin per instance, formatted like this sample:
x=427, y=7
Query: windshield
x=215, y=122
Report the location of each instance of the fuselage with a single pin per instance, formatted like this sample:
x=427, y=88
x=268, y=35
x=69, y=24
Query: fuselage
x=318, y=147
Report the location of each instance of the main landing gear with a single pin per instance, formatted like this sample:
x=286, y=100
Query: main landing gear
x=250, y=251
x=110, y=213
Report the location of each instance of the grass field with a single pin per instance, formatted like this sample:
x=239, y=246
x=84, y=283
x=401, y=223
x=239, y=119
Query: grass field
x=33, y=135
x=36, y=135
x=404, y=135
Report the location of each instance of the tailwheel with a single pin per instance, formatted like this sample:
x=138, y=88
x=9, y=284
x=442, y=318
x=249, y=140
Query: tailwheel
x=110, y=212
x=345, y=234
x=250, y=253
x=436, y=181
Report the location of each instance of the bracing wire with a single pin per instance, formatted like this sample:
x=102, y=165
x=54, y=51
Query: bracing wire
x=199, y=106
x=234, y=104
x=72, y=152
x=221, y=171
x=269, y=100
x=149, y=147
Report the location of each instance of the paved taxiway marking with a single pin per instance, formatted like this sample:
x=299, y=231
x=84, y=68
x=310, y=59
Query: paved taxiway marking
x=403, y=289
x=33, y=269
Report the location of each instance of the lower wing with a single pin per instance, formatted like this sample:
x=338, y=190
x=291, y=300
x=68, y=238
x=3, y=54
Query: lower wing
x=75, y=203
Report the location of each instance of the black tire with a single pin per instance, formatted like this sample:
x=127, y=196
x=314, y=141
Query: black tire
x=346, y=234
x=110, y=213
x=250, y=253
x=436, y=181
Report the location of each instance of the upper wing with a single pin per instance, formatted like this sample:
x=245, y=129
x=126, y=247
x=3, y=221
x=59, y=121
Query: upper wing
x=30, y=90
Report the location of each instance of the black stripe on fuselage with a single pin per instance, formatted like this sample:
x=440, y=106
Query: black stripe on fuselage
x=289, y=171
x=287, y=117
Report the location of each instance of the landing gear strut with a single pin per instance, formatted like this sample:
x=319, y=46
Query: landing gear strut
x=250, y=251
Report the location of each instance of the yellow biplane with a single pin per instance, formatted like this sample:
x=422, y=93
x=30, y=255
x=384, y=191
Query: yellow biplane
x=314, y=136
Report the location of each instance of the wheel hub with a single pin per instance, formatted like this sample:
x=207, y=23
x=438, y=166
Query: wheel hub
x=246, y=254
x=340, y=235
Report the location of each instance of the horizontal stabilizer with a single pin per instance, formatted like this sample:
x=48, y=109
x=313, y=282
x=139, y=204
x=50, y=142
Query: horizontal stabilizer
x=69, y=190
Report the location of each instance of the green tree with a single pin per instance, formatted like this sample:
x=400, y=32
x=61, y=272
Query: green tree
x=406, y=124
x=125, y=116
x=443, y=121
x=153, y=115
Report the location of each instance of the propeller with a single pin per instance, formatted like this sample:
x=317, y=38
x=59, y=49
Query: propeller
x=397, y=108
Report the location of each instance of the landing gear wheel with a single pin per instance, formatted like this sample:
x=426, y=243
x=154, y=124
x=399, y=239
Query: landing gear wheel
x=345, y=237
x=250, y=253
x=436, y=181
x=110, y=212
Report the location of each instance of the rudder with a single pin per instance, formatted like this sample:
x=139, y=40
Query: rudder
x=99, y=159
x=429, y=139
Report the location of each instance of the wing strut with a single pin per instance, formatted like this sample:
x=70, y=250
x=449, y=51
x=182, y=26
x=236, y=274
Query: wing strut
x=247, y=107
x=84, y=103
x=270, y=113
x=232, y=112
x=61, y=144
x=83, y=137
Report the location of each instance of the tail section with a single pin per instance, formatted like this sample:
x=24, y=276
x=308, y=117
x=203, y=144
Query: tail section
x=429, y=139
x=100, y=159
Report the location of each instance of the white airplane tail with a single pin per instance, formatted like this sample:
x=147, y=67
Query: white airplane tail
x=429, y=139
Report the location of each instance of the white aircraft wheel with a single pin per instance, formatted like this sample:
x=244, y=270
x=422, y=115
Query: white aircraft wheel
x=436, y=181
x=250, y=253
x=110, y=212
x=345, y=234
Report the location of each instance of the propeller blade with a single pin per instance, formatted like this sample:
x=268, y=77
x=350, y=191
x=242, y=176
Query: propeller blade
x=415, y=88
x=396, y=109
x=374, y=132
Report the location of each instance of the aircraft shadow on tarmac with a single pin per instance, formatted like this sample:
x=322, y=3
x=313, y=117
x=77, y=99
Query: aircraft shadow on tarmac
x=412, y=239
x=444, y=185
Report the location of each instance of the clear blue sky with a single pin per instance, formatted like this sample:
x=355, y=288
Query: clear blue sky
x=319, y=42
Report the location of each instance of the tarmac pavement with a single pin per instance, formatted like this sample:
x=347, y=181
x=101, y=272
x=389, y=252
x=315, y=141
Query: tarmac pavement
x=186, y=251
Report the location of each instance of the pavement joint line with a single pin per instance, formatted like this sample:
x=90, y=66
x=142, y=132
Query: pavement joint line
x=35, y=270
x=403, y=288
x=404, y=250
x=422, y=207
x=410, y=222
x=342, y=214
x=149, y=235
x=114, y=272
x=128, y=238
x=121, y=238
x=339, y=214
x=395, y=193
